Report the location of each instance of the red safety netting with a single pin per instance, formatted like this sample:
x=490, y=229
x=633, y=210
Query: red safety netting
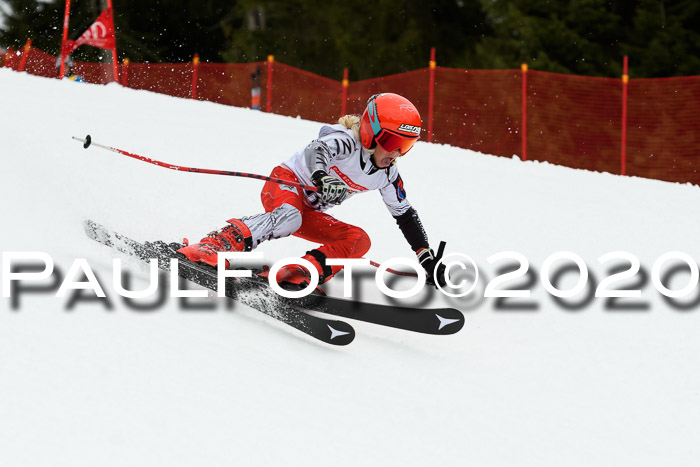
x=297, y=92
x=226, y=83
x=97, y=73
x=574, y=121
x=663, y=129
x=173, y=79
x=478, y=109
x=40, y=63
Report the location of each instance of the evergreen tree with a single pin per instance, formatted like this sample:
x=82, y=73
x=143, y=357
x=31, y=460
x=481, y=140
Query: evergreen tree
x=665, y=40
x=577, y=36
x=370, y=38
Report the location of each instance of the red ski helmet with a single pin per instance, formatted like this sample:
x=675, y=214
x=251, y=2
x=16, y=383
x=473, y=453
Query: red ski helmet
x=391, y=121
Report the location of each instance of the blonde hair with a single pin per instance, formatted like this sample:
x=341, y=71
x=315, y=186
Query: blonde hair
x=352, y=122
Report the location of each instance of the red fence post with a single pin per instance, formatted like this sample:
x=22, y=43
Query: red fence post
x=623, y=155
x=523, y=111
x=431, y=94
x=195, y=67
x=125, y=72
x=344, y=102
x=268, y=92
x=115, y=69
x=66, y=16
x=8, y=57
x=27, y=48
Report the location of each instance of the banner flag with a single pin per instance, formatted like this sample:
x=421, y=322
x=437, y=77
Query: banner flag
x=100, y=34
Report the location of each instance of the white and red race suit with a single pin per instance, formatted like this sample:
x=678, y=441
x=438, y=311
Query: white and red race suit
x=292, y=211
x=338, y=153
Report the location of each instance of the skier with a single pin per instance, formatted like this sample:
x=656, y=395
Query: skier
x=356, y=155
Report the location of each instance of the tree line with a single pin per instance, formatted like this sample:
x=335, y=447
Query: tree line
x=382, y=37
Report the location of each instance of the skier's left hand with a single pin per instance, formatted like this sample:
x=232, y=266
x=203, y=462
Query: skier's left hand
x=331, y=189
x=427, y=259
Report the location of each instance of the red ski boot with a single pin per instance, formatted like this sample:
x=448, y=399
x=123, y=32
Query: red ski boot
x=295, y=276
x=233, y=237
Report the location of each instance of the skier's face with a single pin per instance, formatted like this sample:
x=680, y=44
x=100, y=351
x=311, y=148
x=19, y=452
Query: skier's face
x=383, y=159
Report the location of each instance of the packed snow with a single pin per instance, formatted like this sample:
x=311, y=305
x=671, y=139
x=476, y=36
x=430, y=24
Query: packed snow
x=87, y=381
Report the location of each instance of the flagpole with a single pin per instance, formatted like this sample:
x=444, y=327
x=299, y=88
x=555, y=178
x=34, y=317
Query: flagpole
x=65, y=36
x=114, y=50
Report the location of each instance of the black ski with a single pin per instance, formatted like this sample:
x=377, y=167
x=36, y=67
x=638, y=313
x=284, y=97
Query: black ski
x=256, y=293
x=440, y=321
x=253, y=293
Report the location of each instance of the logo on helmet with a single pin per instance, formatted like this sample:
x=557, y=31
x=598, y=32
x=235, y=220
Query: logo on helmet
x=409, y=128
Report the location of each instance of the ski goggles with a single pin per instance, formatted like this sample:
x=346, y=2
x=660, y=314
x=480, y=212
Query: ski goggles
x=390, y=141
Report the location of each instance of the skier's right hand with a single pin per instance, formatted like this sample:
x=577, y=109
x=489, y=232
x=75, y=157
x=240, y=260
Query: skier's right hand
x=331, y=189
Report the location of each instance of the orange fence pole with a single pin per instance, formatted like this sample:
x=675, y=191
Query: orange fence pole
x=431, y=94
x=8, y=57
x=125, y=72
x=195, y=67
x=523, y=111
x=344, y=102
x=27, y=48
x=268, y=93
x=623, y=155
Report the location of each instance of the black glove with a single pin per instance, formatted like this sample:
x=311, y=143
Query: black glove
x=427, y=259
x=331, y=189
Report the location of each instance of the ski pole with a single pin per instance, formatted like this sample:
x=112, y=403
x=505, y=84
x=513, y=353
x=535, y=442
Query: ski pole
x=87, y=142
x=438, y=256
x=394, y=271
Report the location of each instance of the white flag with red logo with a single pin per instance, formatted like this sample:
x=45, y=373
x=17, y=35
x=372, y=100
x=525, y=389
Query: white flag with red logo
x=100, y=34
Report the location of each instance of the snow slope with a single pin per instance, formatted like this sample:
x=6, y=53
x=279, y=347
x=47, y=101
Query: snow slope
x=92, y=382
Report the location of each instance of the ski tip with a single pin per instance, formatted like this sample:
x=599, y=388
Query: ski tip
x=449, y=321
x=90, y=226
x=340, y=333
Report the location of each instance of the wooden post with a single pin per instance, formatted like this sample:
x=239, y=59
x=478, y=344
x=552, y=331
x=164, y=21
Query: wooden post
x=431, y=94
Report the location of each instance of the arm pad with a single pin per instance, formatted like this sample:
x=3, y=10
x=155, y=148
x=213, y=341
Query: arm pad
x=317, y=155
